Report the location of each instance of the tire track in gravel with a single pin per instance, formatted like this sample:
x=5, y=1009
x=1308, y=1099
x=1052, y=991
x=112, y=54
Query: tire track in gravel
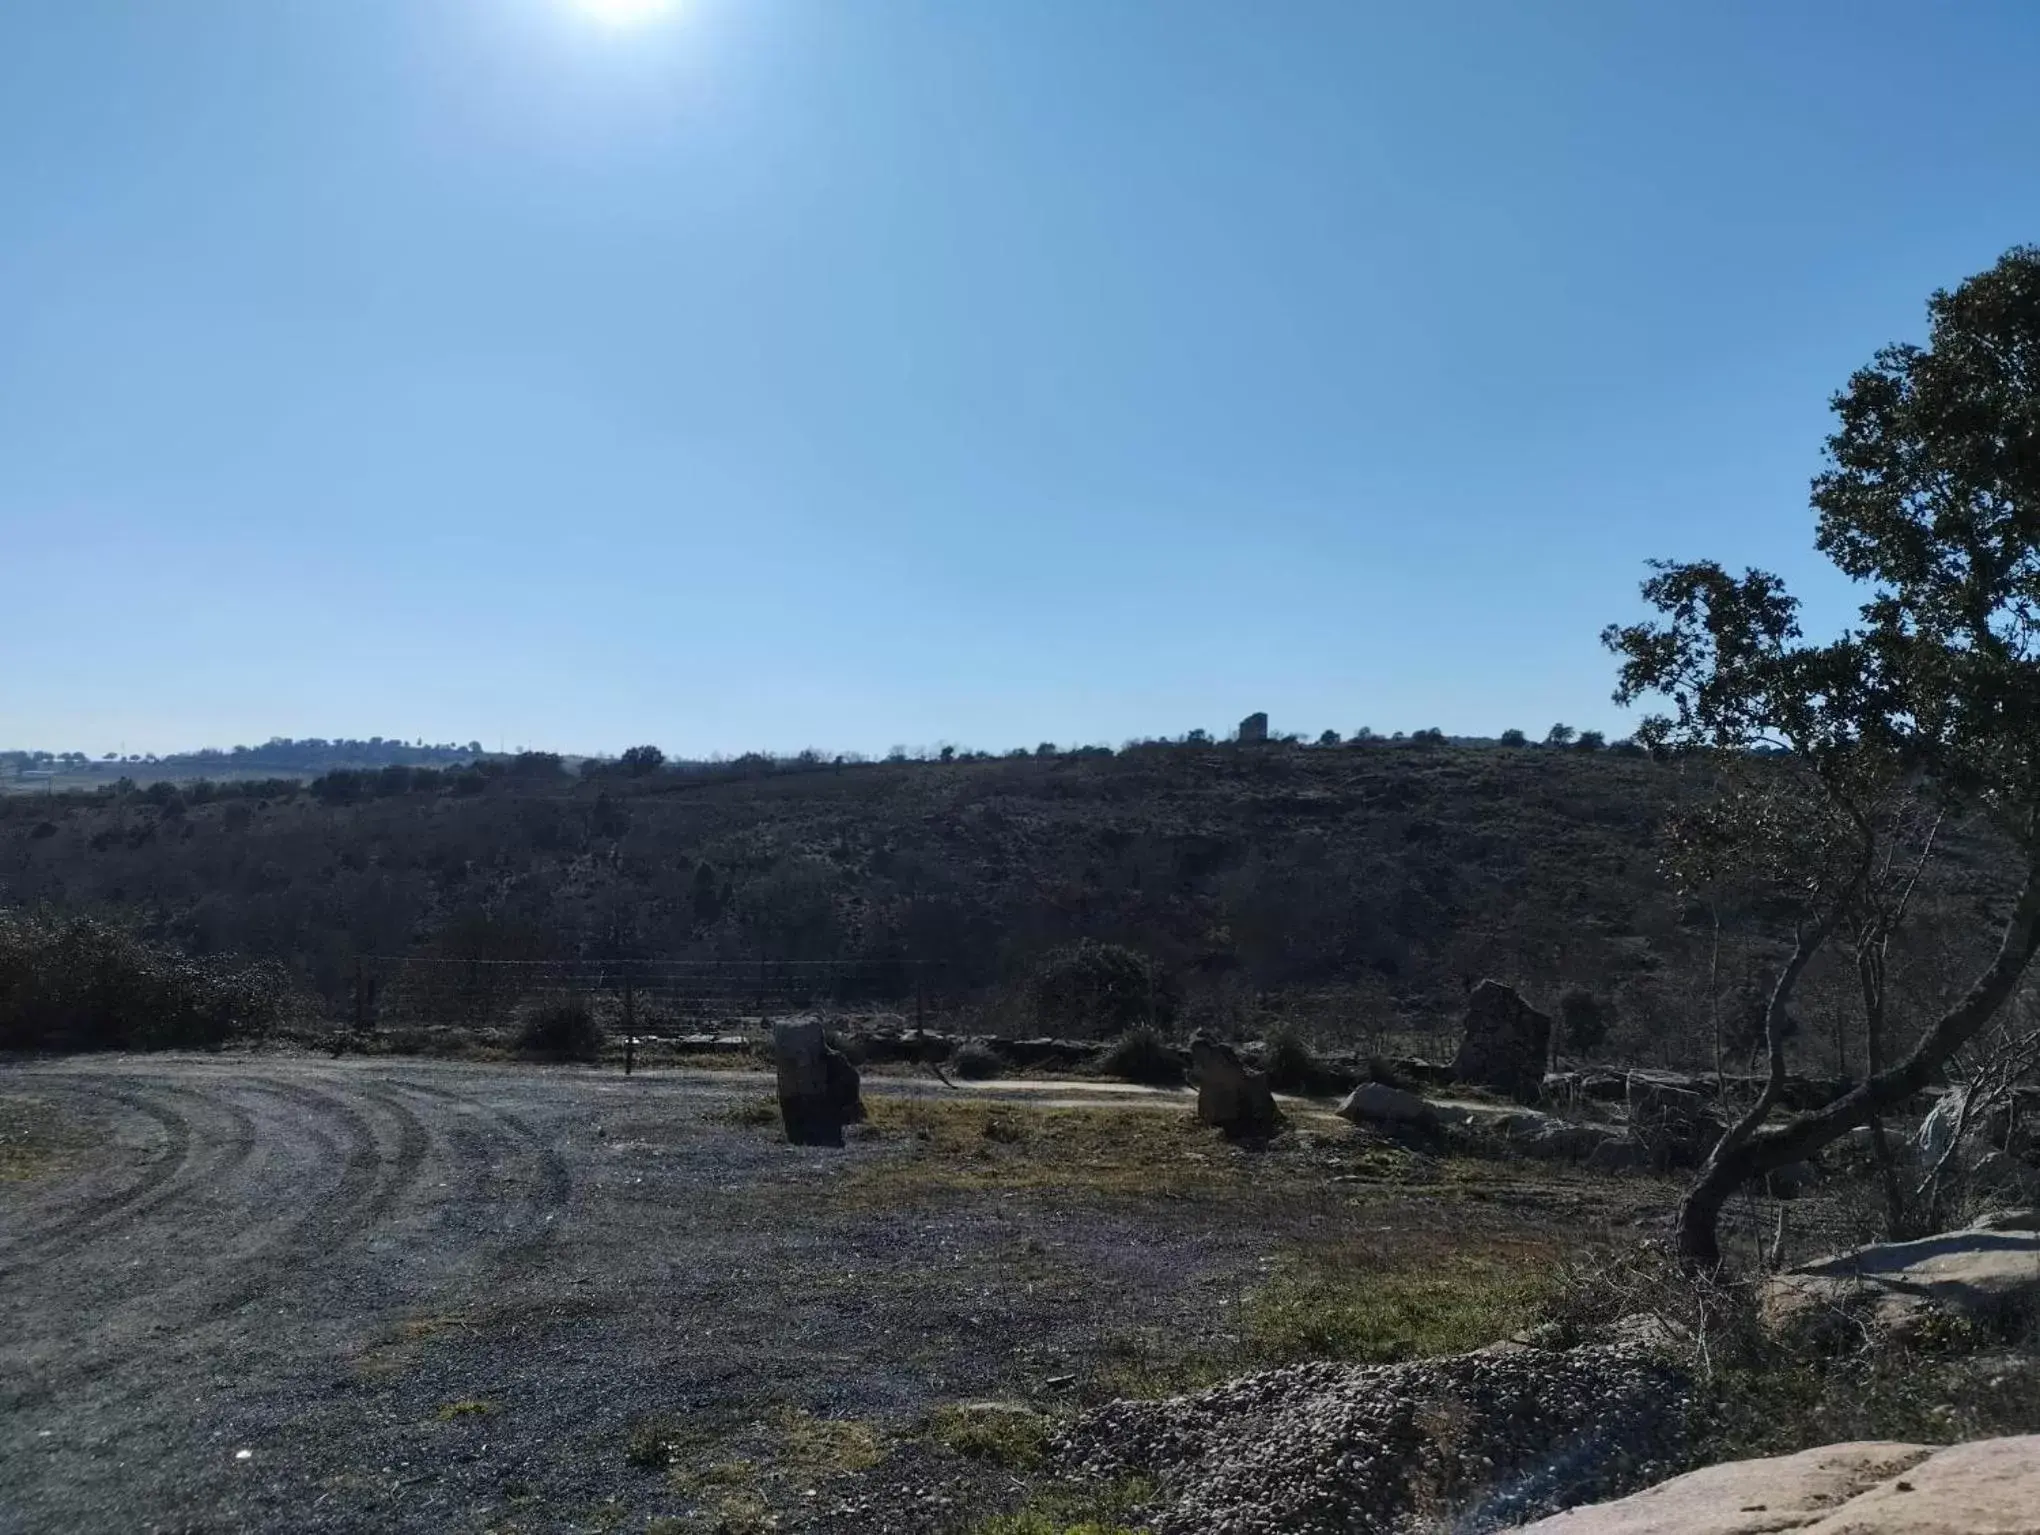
x=174, y=1172
x=369, y=1188
x=474, y=1125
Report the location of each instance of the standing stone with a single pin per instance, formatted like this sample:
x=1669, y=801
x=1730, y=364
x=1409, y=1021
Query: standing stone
x=1254, y=730
x=1507, y=1043
x=818, y=1087
x=1229, y=1096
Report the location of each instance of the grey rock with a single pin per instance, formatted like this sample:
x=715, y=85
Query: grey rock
x=1377, y=1103
x=1229, y=1096
x=1549, y=1138
x=1864, y=1488
x=1983, y=1275
x=818, y=1087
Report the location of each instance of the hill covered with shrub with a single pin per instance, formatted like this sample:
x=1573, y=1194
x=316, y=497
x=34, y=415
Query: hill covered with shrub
x=1357, y=890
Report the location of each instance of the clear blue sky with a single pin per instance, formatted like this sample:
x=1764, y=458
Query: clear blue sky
x=861, y=372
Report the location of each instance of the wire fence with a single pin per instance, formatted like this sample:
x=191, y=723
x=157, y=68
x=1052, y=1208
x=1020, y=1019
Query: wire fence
x=412, y=991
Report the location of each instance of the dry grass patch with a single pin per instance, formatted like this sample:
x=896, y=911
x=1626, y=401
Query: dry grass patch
x=952, y=1145
x=39, y=1140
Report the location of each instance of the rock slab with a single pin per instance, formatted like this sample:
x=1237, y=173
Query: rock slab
x=1985, y=1275
x=1989, y=1487
x=819, y=1090
x=1507, y=1043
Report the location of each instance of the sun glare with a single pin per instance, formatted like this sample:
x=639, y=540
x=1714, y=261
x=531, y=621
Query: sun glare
x=624, y=13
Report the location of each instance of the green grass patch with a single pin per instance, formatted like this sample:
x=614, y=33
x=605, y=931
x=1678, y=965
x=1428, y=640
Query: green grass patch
x=1108, y=1510
x=948, y=1145
x=1347, y=1300
x=816, y=1446
x=998, y=1432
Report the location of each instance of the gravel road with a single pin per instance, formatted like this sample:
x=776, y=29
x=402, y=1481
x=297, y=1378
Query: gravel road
x=307, y=1295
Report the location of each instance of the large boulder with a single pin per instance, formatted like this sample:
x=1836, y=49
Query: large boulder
x=1229, y=1096
x=1507, y=1043
x=1989, y=1487
x=1991, y=1276
x=818, y=1086
x=1376, y=1103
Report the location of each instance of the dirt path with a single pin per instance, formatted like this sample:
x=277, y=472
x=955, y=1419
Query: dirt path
x=300, y=1294
x=295, y=1294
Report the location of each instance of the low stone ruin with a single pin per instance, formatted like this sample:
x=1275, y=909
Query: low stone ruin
x=1229, y=1096
x=1507, y=1043
x=818, y=1087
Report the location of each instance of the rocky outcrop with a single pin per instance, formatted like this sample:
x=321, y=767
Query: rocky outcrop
x=818, y=1087
x=1229, y=1096
x=1991, y=1276
x=1989, y=1487
x=1507, y=1043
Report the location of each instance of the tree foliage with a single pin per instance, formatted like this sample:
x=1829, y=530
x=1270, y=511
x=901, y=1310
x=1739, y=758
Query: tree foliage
x=1931, y=501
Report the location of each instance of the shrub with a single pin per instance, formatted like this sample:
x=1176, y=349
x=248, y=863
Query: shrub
x=1292, y=1066
x=80, y=984
x=1583, y=1020
x=1142, y=1055
x=641, y=761
x=561, y=1031
x=976, y=1061
x=1102, y=988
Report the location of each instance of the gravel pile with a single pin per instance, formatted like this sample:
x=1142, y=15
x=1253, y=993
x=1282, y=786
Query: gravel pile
x=1474, y=1442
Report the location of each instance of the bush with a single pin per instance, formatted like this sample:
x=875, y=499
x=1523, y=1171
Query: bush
x=80, y=984
x=1584, y=1020
x=1143, y=1055
x=561, y=1031
x=976, y=1062
x=1102, y=988
x=1292, y=1066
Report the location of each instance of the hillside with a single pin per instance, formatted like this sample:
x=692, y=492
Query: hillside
x=1357, y=890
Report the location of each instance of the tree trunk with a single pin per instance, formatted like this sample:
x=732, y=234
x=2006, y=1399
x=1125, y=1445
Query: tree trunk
x=1744, y=1154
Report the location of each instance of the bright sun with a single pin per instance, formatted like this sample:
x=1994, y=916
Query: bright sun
x=623, y=13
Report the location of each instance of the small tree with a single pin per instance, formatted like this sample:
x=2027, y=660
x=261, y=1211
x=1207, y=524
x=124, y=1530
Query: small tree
x=1931, y=500
x=1559, y=735
x=1583, y=1020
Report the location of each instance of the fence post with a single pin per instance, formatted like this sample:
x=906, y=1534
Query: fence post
x=629, y=1026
